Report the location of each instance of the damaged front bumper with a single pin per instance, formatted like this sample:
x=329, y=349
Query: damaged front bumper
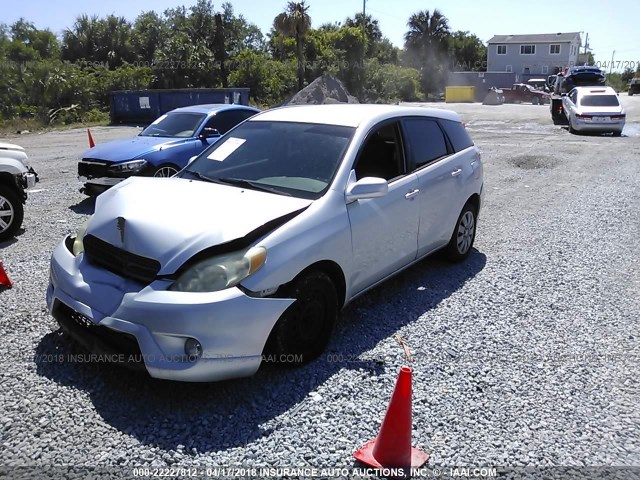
x=148, y=326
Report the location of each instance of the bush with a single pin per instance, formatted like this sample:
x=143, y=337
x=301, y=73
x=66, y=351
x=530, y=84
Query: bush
x=269, y=81
x=388, y=83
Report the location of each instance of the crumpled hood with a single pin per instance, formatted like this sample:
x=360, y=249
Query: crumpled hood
x=172, y=219
x=132, y=148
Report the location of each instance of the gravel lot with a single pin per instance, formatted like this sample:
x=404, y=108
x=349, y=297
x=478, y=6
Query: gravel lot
x=527, y=354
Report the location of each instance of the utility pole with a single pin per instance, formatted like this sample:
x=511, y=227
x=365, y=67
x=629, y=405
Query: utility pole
x=611, y=66
x=364, y=36
x=586, y=43
x=364, y=19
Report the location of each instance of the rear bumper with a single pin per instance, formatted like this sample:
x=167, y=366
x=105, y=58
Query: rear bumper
x=582, y=126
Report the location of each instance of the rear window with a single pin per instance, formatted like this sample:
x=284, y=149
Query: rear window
x=458, y=135
x=599, y=101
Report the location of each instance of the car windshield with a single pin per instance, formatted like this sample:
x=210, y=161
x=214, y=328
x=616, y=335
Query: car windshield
x=174, y=125
x=298, y=159
x=599, y=101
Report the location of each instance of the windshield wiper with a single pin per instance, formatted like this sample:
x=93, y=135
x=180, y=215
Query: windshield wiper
x=201, y=176
x=239, y=182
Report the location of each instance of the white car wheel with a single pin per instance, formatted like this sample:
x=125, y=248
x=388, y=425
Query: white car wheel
x=11, y=212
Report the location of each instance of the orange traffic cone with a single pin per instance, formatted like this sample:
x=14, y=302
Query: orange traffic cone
x=392, y=447
x=4, y=278
x=91, y=142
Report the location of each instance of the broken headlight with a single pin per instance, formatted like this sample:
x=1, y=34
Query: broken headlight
x=220, y=272
x=78, y=241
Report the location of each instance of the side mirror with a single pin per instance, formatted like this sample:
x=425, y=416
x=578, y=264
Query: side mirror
x=192, y=159
x=368, y=187
x=563, y=94
x=208, y=132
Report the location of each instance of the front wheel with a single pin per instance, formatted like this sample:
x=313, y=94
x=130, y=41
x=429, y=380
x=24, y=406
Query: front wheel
x=304, y=329
x=164, y=171
x=11, y=212
x=463, y=236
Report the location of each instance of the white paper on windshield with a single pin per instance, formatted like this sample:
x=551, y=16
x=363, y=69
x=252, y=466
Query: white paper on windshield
x=229, y=146
x=159, y=119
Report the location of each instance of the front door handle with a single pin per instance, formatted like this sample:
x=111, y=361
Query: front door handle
x=412, y=194
x=456, y=172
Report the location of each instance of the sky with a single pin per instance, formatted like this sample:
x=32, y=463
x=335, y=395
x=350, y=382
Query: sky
x=609, y=29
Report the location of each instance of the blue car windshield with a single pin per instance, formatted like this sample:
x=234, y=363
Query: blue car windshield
x=288, y=158
x=174, y=125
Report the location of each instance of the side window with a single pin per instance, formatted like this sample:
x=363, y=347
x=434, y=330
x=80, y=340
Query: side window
x=457, y=134
x=381, y=155
x=225, y=121
x=425, y=139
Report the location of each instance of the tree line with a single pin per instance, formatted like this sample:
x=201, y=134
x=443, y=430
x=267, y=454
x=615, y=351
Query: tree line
x=68, y=78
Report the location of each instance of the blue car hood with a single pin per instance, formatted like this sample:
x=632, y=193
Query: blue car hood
x=132, y=148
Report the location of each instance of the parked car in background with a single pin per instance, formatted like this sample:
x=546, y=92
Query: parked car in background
x=594, y=109
x=521, y=92
x=538, y=84
x=15, y=178
x=254, y=247
x=634, y=86
x=161, y=149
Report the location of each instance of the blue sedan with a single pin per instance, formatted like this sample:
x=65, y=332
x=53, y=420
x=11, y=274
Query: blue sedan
x=162, y=149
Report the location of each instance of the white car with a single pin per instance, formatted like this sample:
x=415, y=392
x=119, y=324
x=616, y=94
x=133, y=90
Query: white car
x=15, y=178
x=594, y=109
x=250, y=251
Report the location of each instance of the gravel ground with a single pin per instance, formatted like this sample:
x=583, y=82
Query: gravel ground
x=525, y=355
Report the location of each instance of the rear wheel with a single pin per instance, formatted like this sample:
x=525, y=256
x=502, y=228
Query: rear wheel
x=304, y=329
x=463, y=236
x=11, y=212
x=535, y=101
x=617, y=134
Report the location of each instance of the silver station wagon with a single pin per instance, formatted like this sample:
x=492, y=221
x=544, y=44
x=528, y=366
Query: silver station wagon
x=255, y=246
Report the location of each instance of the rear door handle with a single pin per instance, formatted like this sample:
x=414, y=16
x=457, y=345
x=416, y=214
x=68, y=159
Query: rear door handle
x=456, y=172
x=412, y=194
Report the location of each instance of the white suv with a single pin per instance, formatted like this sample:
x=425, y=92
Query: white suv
x=15, y=177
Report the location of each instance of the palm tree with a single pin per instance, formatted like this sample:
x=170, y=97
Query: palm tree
x=295, y=22
x=426, y=42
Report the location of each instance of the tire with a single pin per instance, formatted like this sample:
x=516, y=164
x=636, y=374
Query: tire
x=463, y=236
x=535, y=101
x=11, y=212
x=166, y=170
x=617, y=134
x=304, y=329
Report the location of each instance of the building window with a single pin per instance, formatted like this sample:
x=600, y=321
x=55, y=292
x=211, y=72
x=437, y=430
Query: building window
x=509, y=68
x=554, y=49
x=502, y=49
x=527, y=49
x=526, y=70
x=545, y=69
